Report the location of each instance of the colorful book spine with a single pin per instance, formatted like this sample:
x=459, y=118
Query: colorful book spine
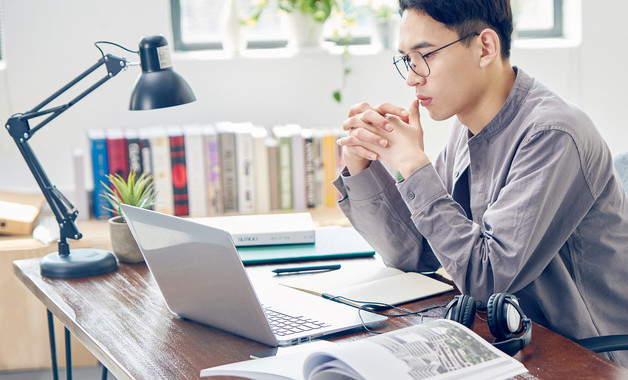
x=179, y=172
x=283, y=134
x=297, y=152
x=133, y=150
x=162, y=170
x=147, y=160
x=273, y=171
x=226, y=136
x=245, y=172
x=261, y=169
x=214, y=183
x=118, y=154
x=195, y=166
x=285, y=168
x=100, y=169
x=328, y=149
x=311, y=185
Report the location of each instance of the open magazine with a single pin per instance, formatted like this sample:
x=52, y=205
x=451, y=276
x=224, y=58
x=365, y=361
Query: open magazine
x=438, y=349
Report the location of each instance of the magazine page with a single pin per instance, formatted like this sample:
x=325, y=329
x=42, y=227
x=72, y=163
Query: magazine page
x=439, y=349
x=287, y=367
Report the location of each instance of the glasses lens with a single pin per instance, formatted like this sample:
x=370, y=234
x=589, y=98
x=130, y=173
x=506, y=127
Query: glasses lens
x=401, y=65
x=418, y=64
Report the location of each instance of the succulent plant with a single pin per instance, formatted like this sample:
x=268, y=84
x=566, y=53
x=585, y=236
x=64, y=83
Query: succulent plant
x=135, y=191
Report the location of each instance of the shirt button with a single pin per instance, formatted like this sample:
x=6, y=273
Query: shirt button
x=456, y=174
x=411, y=195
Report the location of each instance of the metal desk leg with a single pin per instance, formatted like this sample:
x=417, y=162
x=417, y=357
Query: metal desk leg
x=53, y=350
x=68, y=351
x=104, y=372
x=68, y=354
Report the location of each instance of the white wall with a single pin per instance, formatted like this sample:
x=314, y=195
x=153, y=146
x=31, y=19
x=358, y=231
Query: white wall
x=47, y=43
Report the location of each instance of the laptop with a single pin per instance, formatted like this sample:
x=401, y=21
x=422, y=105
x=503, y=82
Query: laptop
x=202, y=278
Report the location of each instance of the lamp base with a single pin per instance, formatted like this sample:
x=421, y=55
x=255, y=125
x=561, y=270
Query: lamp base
x=83, y=262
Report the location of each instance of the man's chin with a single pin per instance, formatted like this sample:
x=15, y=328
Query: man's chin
x=436, y=116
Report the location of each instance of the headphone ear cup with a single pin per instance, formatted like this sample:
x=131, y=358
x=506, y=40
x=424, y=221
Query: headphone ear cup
x=451, y=309
x=467, y=311
x=502, y=317
x=462, y=310
x=508, y=324
x=493, y=306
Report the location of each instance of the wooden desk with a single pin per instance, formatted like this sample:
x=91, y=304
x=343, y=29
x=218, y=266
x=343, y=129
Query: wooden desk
x=23, y=327
x=122, y=319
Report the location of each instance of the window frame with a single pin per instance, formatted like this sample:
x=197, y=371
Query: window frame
x=179, y=45
x=555, y=32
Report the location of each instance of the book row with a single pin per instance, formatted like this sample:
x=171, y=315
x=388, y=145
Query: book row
x=221, y=168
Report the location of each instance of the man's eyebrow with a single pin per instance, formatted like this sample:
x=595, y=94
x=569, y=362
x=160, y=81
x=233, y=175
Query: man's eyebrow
x=418, y=46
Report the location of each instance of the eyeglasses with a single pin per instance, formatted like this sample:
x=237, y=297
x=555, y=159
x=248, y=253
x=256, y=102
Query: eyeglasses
x=418, y=62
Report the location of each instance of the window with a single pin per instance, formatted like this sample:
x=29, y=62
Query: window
x=538, y=18
x=1, y=30
x=202, y=24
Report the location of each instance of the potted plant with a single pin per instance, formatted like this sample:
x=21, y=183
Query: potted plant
x=134, y=191
x=386, y=14
x=306, y=18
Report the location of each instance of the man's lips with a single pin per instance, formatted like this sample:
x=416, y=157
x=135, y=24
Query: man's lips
x=424, y=100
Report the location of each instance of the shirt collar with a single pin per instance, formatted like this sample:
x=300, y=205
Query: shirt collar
x=514, y=101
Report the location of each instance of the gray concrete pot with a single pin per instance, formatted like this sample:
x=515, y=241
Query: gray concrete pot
x=122, y=242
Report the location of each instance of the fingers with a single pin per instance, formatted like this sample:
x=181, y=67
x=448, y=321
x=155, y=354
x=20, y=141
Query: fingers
x=374, y=116
x=382, y=109
x=391, y=109
x=361, y=136
x=359, y=108
x=369, y=119
x=361, y=151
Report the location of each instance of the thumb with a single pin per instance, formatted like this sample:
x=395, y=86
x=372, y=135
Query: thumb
x=415, y=120
x=414, y=114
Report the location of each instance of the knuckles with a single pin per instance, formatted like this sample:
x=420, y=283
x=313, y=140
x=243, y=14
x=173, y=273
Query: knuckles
x=358, y=108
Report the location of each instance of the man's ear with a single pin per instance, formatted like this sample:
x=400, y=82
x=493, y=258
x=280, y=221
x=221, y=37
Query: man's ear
x=491, y=48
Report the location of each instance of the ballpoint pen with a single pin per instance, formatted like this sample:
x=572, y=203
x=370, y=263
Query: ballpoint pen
x=314, y=268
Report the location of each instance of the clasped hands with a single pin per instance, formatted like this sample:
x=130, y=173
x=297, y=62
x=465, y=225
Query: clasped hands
x=385, y=132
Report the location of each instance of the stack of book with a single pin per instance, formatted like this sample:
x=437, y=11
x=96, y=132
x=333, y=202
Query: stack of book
x=222, y=168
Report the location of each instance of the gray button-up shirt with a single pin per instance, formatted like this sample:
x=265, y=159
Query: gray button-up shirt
x=548, y=215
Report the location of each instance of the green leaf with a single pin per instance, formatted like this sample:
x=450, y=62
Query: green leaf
x=337, y=96
x=134, y=191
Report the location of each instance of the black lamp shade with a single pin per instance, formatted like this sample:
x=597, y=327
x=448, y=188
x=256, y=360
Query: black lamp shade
x=158, y=86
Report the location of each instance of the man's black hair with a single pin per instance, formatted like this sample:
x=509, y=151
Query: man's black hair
x=468, y=16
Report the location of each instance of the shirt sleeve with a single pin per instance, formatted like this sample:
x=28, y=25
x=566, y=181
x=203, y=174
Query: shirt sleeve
x=371, y=201
x=543, y=199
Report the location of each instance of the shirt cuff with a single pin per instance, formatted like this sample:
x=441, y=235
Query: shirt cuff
x=426, y=180
x=366, y=184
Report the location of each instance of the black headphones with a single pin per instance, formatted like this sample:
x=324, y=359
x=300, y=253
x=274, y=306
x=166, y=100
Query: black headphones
x=506, y=321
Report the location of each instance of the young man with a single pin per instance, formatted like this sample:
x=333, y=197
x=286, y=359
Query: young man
x=523, y=199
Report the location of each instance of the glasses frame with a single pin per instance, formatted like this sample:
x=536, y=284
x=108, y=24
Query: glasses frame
x=406, y=57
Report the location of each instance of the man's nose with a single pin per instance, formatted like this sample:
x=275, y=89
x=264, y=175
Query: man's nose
x=413, y=79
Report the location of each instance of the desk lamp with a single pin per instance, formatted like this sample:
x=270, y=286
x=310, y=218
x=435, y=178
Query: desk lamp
x=158, y=86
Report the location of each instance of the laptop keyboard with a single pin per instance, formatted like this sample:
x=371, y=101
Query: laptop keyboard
x=284, y=324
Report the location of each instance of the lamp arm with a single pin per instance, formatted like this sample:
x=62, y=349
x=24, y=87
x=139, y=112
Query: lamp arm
x=113, y=64
x=20, y=130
